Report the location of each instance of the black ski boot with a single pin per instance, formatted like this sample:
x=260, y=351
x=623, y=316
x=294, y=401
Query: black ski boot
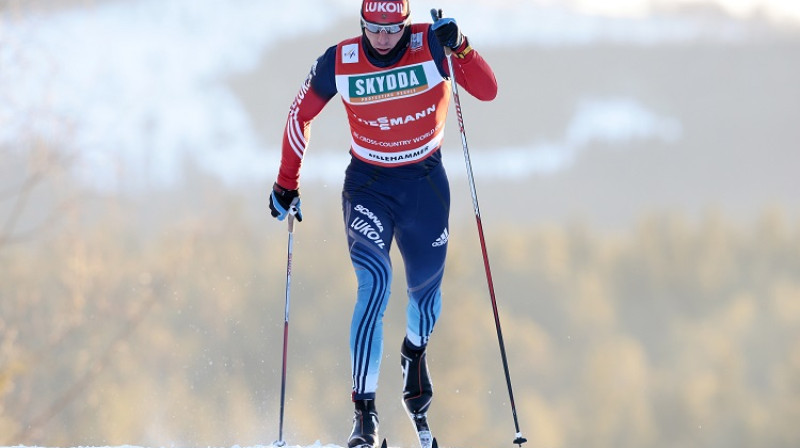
x=365, y=425
x=417, y=390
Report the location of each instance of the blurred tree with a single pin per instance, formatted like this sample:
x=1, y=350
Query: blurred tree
x=158, y=319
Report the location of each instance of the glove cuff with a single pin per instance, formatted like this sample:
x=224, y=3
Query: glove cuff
x=462, y=50
x=280, y=191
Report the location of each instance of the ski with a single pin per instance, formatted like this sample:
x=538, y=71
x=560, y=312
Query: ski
x=366, y=445
x=426, y=440
x=433, y=444
x=424, y=435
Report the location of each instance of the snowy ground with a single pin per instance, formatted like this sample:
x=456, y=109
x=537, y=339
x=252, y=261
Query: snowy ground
x=317, y=444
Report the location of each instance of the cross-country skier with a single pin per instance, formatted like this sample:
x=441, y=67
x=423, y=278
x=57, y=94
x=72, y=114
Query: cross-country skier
x=393, y=80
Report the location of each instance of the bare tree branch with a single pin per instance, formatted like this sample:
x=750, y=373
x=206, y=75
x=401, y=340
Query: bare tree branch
x=100, y=363
x=46, y=162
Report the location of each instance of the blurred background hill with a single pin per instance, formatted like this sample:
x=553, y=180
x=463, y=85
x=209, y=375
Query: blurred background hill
x=638, y=187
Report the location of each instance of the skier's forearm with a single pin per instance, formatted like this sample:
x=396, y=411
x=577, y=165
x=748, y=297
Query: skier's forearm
x=474, y=73
x=296, y=135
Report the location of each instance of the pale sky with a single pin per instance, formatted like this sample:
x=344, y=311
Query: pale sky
x=777, y=10
x=774, y=9
x=66, y=81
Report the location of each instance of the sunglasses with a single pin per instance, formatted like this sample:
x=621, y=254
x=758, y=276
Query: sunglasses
x=388, y=29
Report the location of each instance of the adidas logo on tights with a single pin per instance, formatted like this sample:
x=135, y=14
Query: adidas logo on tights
x=442, y=240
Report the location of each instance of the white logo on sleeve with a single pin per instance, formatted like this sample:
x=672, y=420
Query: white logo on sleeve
x=350, y=54
x=442, y=240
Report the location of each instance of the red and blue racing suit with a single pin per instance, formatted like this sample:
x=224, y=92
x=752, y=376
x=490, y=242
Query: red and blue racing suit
x=395, y=187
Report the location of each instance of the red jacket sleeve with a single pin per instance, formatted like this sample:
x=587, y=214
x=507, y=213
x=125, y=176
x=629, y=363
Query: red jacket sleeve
x=474, y=74
x=305, y=107
x=318, y=88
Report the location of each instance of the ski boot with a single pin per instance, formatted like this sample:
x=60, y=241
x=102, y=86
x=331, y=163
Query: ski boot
x=365, y=425
x=417, y=390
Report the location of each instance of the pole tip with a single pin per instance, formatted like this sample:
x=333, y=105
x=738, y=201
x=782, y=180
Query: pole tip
x=520, y=440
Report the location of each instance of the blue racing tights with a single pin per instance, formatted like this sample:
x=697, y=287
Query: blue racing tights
x=409, y=205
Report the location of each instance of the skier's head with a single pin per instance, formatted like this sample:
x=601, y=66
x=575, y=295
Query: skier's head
x=385, y=12
x=383, y=23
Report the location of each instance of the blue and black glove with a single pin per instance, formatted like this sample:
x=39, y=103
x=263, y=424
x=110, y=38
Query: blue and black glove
x=282, y=202
x=446, y=30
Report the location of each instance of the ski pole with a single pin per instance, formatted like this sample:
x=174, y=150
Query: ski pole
x=518, y=439
x=280, y=442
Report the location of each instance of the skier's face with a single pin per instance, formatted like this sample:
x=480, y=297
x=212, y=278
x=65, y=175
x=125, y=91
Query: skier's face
x=383, y=42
